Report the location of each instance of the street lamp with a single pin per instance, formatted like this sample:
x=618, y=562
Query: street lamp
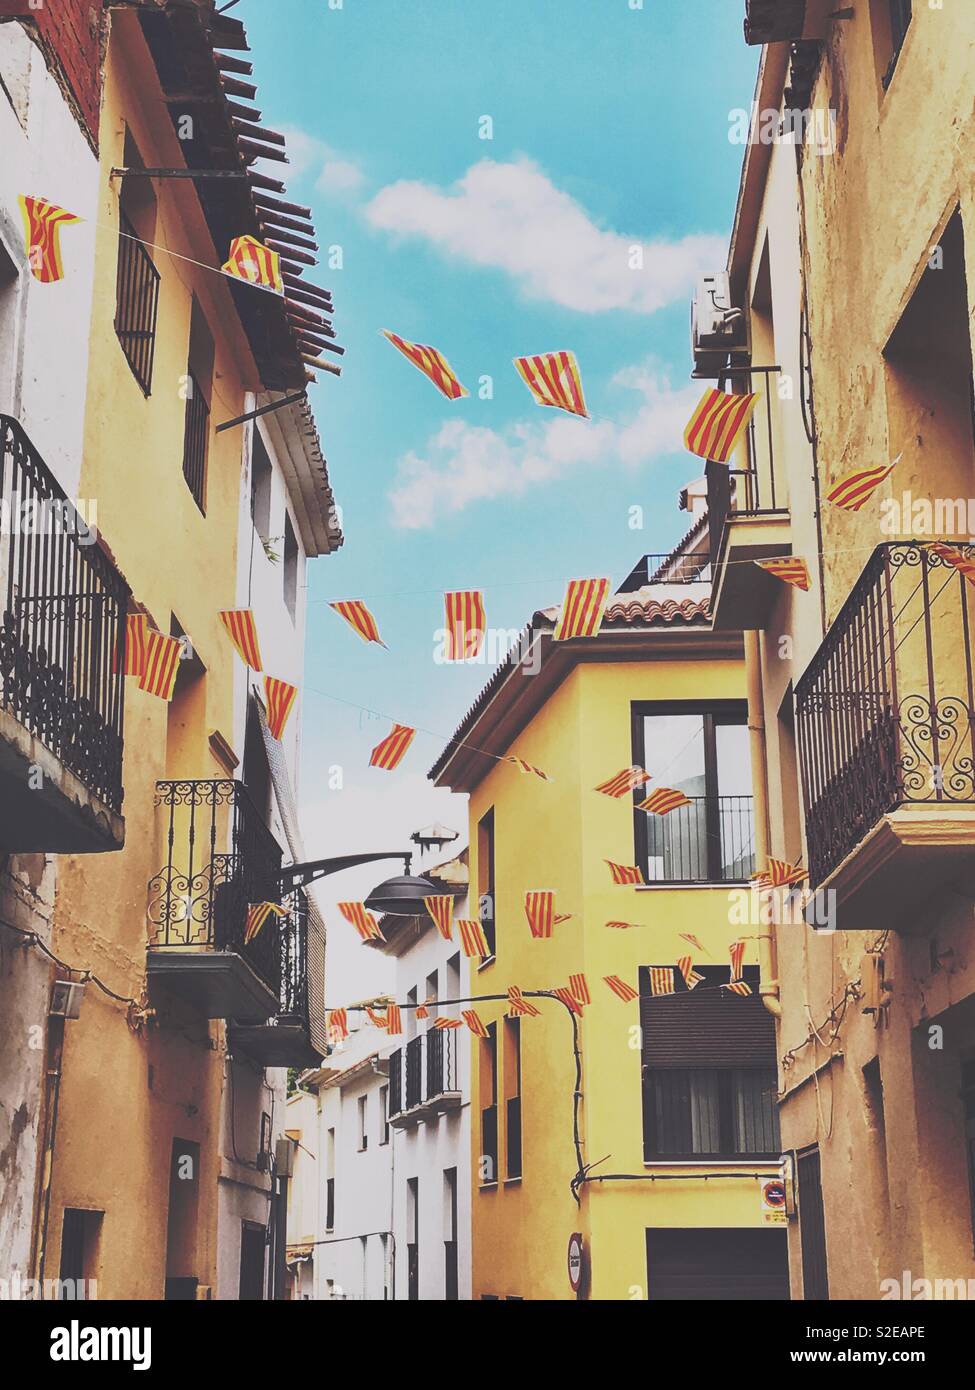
x=401, y=896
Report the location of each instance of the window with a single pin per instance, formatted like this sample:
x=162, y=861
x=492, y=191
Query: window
x=196, y=427
x=702, y=751
x=512, y=1104
x=363, y=1132
x=252, y=1246
x=260, y=485
x=290, y=567
x=330, y=1180
x=181, y=1229
x=137, y=279
x=186, y=713
x=709, y=1074
x=413, y=1239
x=485, y=881
x=890, y=21
x=450, y=1234
x=384, y=1114
x=488, y=1062
x=812, y=1227
x=873, y=1094
x=80, y=1235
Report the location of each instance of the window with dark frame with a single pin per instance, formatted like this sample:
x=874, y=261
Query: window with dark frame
x=196, y=427
x=384, y=1114
x=488, y=1059
x=260, y=486
x=512, y=1104
x=703, y=751
x=290, y=567
x=486, y=881
x=137, y=279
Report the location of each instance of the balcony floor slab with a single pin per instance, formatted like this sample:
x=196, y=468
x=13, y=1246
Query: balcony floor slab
x=743, y=595
x=219, y=984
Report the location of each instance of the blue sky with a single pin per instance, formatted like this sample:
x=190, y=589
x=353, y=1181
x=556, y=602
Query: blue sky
x=610, y=129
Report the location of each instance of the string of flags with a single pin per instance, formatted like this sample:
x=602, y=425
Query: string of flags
x=43, y=221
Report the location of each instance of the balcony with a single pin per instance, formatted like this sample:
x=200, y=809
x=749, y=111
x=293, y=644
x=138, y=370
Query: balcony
x=219, y=858
x=423, y=1080
x=748, y=515
x=886, y=727
x=287, y=1040
x=786, y=21
x=62, y=633
x=711, y=839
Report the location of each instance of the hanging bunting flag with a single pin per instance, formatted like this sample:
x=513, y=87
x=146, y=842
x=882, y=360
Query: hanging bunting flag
x=737, y=951
x=580, y=989
x=626, y=781
x=465, y=622
x=553, y=379
x=623, y=926
x=42, y=236
x=473, y=1021
x=965, y=564
x=780, y=873
x=662, y=801
x=790, y=571
x=625, y=873
x=250, y=260
x=161, y=665
x=582, y=609
x=257, y=915
x=357, y=615
x=621, y=988
x=390, y=751
x=446, y=1023
x=136, y=644
x=693, y=941
x=394, y=1020
x=338, y=1025
x=718, y=423
x=363, y=921
x=431, y=363
x=662, y=979
x=440, y=906
x=472, y=939
x=377, y=1019
x=569, y=1000
x=242, y=630
x=541, y=914
x=520, y=1005
x=280, y=698
x=528, y=769
x=422, y=1010
x=686, y=967
x=738, y=987
x=855, y=489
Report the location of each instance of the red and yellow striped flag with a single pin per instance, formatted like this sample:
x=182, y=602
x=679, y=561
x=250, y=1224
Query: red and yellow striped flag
x=528, y=768
x=431, y=363
x=390, y=751
x=242, y=631
x=256, y=264
x=136, y=643
x=553, y=378
x=446, y=1023
x=789, y=570
x=737, y=952
x=718, y=422
x=394, y=1020
x=582, y=609
x=363, y=921
x=580, y=989
x=474, y=1023
x=693, y=941
x=854, y=489
x=520, y=1005
x=620, y=988
x=465, y=622
x=685, y=965
x=541, y=914
x=377, y=1019
x=663, y=800
x=472, y=938
x=279, y=697
x=623, y=926
x=422, y=1010
x=568, y=999
x=626, y=781
x=440, y=906
x=338, y=1025
x=662, y=979
x=257, y=915
x=42, y=236
x=357, y=615
x=965, y=564
x=161, y=665
x=738, y=987
x=625, y=873
x=779, y=873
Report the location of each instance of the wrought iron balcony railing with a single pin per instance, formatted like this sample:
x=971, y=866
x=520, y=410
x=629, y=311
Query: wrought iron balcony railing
x=441, y=1045
x=62, y=625
x=293, y=943
x=753, y=490
x=886, y=710
x=423, y=1072
x=711, y=839
x=694, y=568
x=220, y=858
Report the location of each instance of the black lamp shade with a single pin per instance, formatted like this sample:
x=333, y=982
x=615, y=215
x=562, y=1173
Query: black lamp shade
x=403, y=896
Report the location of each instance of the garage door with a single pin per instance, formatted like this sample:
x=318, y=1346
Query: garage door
x=737, y=1263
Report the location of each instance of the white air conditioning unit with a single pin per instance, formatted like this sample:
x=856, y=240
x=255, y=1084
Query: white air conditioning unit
x=717, y=327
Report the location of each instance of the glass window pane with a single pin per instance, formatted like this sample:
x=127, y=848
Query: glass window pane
x=674, y=751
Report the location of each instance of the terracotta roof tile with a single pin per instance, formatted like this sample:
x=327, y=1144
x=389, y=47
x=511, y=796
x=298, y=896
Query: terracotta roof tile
x=634, y=611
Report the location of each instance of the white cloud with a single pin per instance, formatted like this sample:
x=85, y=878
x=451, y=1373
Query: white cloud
x=332, y=172
x=511, y=217
x=463, y=464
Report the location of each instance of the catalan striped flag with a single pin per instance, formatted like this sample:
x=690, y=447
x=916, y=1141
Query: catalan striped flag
x=161, y=665
x=685, y=965
x=472, y=938
x=440, y=906
x=662, y=979
x=964, y=564
x=431, y=363
x=390, y=751
x=738, y=987
x=541, y=914
x=357, y=615
x=363, y=921
x=582, y=609
x=693, y=941
x=136, y=643
x=257, y=915
x=620, y=988
x=256, y=264
x=529, y=769
x=626, y=781
x=445, y=1023
x=568, y=999
x=553, y=378
x=422, y=1011
x=623, y=926
x=737, y=952
x=521, y=1006
x=663, y=800
x=473, y=1020
x=242, y=631
x=779, y=873
x=789, y=570
x=855, y=489
x=465, y=622
x=580, y=989
x=718, y=423
x=338, y=1025
x=394, y=1020
x=377, y=1019
x=625, y=873
x=42, y=236
x=280, y=698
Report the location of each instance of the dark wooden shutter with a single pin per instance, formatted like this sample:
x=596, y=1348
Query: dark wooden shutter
x=812, y=1228
x=702, y=1265
x=706, y=1026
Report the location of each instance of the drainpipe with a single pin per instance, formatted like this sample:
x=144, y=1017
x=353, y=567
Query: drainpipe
x=768, y=985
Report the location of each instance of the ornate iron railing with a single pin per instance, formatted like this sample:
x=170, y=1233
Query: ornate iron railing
x=137, y=301
x=441, y=1068
x=196, y=435
x=752, y=490
x=220, y=858
x=62, y=625
x=423, y=1070
x=293, y=939
x=414, y=1072
x=886, y=710
x=710, y=839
